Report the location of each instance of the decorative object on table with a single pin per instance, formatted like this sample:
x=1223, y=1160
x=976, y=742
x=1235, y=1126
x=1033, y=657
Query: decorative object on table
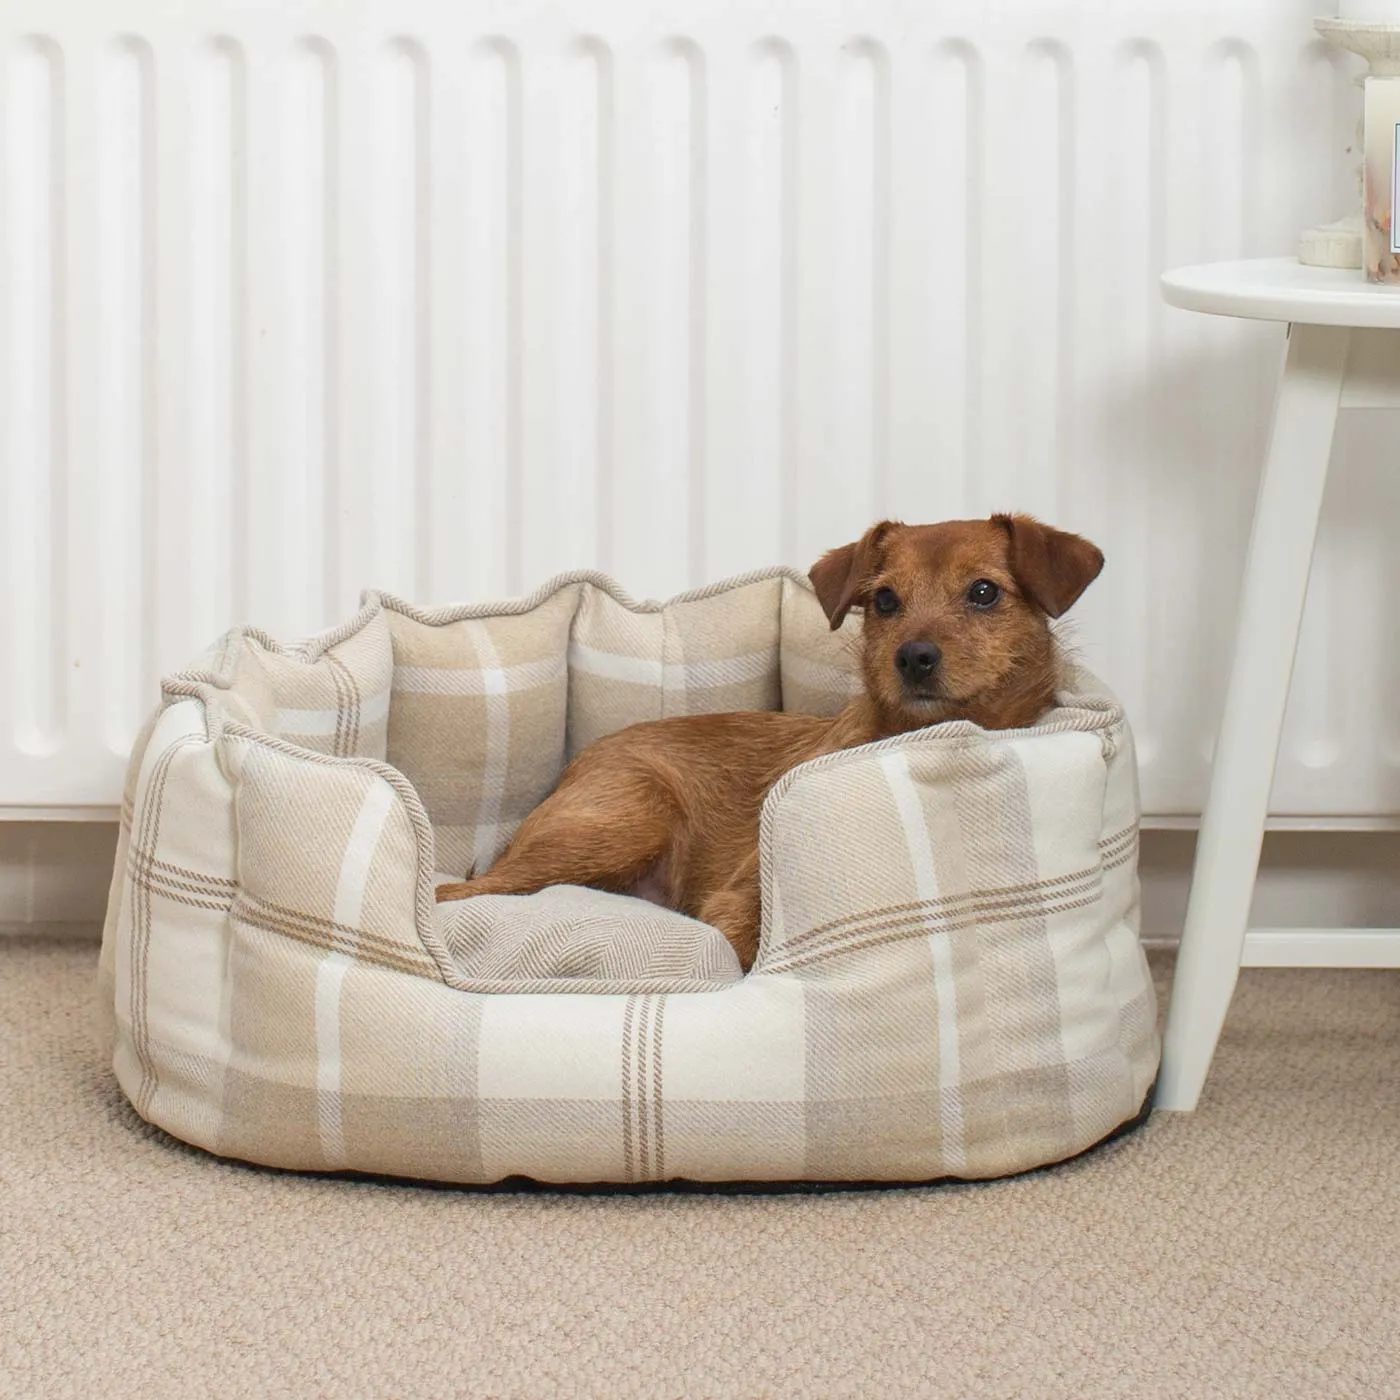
x=1370, y=28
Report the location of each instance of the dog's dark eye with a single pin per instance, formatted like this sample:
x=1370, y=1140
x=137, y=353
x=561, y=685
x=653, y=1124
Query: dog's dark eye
x=886, y=602
x=983, y=593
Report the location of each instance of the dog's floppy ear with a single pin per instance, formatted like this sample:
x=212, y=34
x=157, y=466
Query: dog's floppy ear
x=838, y=575
x=1052, y=566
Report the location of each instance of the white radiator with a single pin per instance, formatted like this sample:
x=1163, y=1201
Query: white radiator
x=446, y=296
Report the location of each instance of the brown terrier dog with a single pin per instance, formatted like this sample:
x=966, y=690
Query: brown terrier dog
x=955, y=628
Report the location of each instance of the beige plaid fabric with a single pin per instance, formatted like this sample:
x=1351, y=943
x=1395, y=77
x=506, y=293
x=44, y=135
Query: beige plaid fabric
x=949, y=979
x=489, y=702
x=818, y=668
x=570, y=939
x=477, y=716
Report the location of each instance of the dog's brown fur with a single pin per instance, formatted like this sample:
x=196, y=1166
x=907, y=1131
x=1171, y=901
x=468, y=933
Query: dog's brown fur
x=675, y=802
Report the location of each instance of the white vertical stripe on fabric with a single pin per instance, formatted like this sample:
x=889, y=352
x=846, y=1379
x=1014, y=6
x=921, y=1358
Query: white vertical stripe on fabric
x=911, y=815
x=359, y=852
x=330, y=973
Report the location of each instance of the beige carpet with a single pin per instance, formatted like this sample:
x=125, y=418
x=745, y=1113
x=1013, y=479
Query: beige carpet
x=1252, y=1249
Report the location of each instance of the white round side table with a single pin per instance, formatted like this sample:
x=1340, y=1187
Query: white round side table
x=1338, y=356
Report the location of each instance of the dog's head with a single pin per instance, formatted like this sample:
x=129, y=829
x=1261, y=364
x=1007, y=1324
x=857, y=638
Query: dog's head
x=957, y=615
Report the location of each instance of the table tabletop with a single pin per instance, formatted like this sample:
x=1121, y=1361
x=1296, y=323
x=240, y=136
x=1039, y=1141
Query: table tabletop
x=1283, y=289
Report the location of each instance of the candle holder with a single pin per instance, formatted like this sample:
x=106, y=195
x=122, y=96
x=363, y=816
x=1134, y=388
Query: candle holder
x=1370, y=239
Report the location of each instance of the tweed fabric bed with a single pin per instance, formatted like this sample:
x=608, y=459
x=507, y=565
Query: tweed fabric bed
x=949, y=980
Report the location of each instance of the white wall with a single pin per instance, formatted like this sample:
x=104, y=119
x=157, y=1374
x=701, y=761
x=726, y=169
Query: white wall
x=444, y=298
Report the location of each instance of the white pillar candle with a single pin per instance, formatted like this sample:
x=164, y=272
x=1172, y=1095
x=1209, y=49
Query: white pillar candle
x=1380, y=239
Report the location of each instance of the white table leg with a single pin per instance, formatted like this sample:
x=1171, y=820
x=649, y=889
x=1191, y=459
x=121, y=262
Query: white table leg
x=1271, y=610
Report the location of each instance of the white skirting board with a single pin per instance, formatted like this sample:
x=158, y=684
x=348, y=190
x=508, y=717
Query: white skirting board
x=54, y=876
x=1322, y=947
x=1313, y=888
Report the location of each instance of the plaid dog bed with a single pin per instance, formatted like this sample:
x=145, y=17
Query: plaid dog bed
x=949, y=979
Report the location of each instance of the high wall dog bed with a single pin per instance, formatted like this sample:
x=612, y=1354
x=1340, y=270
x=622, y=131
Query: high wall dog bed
x=949, y=980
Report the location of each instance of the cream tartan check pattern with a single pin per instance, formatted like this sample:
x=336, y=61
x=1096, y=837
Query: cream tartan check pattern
x=949, y=979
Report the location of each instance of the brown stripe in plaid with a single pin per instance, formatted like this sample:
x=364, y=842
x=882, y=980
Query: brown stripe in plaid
x=112, y=923
x=643, y=1123
x=347, y=717
x=1025, y=1128
x=1002, y=896
x=879, y=930
x=653, y=1090
x=144, y=925
x=197, y=877
x=628, y=1017
x=471, y=680
x=1118, y=850
x=144, y=865
x=151, y=881
x=643, y=1108
x=326, y=934
x=137, y=952
x=657, y=1099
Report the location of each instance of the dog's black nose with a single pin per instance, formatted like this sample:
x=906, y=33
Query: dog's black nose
x=915, y=660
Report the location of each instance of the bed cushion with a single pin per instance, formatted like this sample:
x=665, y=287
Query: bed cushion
x=568, y=938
